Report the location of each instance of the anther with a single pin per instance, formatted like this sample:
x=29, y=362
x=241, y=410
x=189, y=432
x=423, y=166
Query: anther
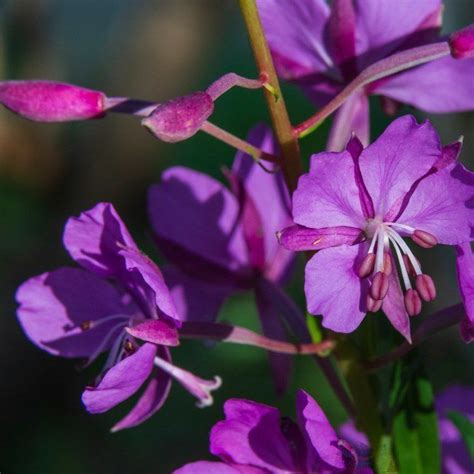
x=379, y=287
x=426, y=287
x=424, y=239
x=85, y=325
x=373, y=305
x=409, y=266
x=387, y=264
x=412, y=302
x=367, y=265
x=128, y=346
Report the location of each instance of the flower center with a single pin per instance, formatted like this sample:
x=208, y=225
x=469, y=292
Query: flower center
x=378, y=264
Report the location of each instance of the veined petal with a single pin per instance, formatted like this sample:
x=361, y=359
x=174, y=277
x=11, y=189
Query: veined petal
x=447, y=213
x=333, y=288
x=403, y=153
x=465, y=274
x=121, y=381
x=328, y=196
x=54, y=305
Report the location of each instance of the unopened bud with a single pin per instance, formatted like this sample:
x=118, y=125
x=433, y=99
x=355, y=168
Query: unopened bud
x=373, y=305
x=181, y=118
x=47, y=101
x=462, y=43
x=426, y=287
x=412, y=302
x=424, y=239
x=379, y=287
x=367, y=265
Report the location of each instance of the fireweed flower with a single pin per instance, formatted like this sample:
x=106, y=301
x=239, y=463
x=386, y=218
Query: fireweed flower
x=455, y=456
x=357, y=206
x=253, y=438
x=223, y=242
x=465, y=273
x=114, y=303
x=323, y=48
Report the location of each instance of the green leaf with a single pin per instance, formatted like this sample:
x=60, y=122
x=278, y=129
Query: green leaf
x=466, y=428
x=314, y=328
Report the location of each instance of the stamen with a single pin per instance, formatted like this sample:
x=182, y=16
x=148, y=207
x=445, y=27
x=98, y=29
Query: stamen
x=387, y=262
x=379, y=256
x=93, y=323
x=379, y=287
x=406, y=279
x=406, y=250
x=367, y=266
x=401, y=226
x=411, y=270
x=424, y=239
x=426, y=287
x=103, y=344
x=373, y=241
x=114, y=353
x=373, y=305
x=412, y=302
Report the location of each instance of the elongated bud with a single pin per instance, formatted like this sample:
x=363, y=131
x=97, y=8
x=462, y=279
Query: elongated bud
x=462, y=43
x=426, y=287
x=47, y=101
x=181, y=118
x=412, y=302
x=373, y=305
x=424, y=239
x=379, y=287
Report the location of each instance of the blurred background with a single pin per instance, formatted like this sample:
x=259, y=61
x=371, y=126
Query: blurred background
x=150, y=50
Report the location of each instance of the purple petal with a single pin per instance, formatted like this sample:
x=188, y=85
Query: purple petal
x=281, y=364
x=295, y=33
x=462, y=43
x=54, y=305
x=403, y=153
x=441, y=86
x=180, y=118
x=155, y=331
x=251, y=435
x=199, y=214
x=359, y=440
x=95, y=237
x=298, y=237
x=381, y=28
x=121, y=381
x=450, y=154
x=328, y=196
x=321, y=438
x=208, y=467
x=150, y=402
x=465, y=275
x=351, y=117
x=393, y=305
x=333, y=288
x=448, y=213
x=47, y=101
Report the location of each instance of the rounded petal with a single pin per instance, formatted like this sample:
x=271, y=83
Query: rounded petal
x=447, y=213
x=328, y=195
x=121, y=381
x=54, y=305
x=333, y=288
x=403, y=153
x=199, y=214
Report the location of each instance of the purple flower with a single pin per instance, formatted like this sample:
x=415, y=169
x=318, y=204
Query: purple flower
x=224, y=241
x=357, y=206
x=254, y=439
x=110, y=305
x=465, y=273
x=454, y=454
x=322, y=49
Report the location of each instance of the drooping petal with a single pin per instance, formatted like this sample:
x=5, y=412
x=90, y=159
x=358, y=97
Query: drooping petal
x=394, y=307
x=447, y=213
x=334, y=290
x=54, y=305
x=299, y=238
x=403, y=153
x=121, y=381
x=441, y=86
x=95, y=237
x=251, y=435
x=295, y=33
x=321, y=438
x=328, y=196
x=209, y=467
x=199, y=214
x=465, y=275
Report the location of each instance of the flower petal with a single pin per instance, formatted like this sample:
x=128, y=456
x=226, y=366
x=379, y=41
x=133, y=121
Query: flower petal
x=465, y=275
x=121, y=381
x=251, y=434
x=199, y=214
x=441, y=86
x=333, y=288
x=54, y=305
x=328, y=196
x=209, y=467
x=403, y=153
x=447, y=213
x=155, y=331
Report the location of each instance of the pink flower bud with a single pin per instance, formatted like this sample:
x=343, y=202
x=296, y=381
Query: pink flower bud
x=181, y=118
x=462, y=43
x=46, y=101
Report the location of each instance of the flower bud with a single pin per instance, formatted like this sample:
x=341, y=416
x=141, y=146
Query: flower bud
x=462, y=43
x=47, y=101
x=181, y=118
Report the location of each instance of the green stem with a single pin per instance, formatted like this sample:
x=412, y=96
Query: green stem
x=285, y=136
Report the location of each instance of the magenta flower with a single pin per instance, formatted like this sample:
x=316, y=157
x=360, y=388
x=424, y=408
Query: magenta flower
x=465, y=273
x=224, y=241
x=455, y=456
x=254, y=439
x=111, y=305
x=357, y=206
x=322, y=49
